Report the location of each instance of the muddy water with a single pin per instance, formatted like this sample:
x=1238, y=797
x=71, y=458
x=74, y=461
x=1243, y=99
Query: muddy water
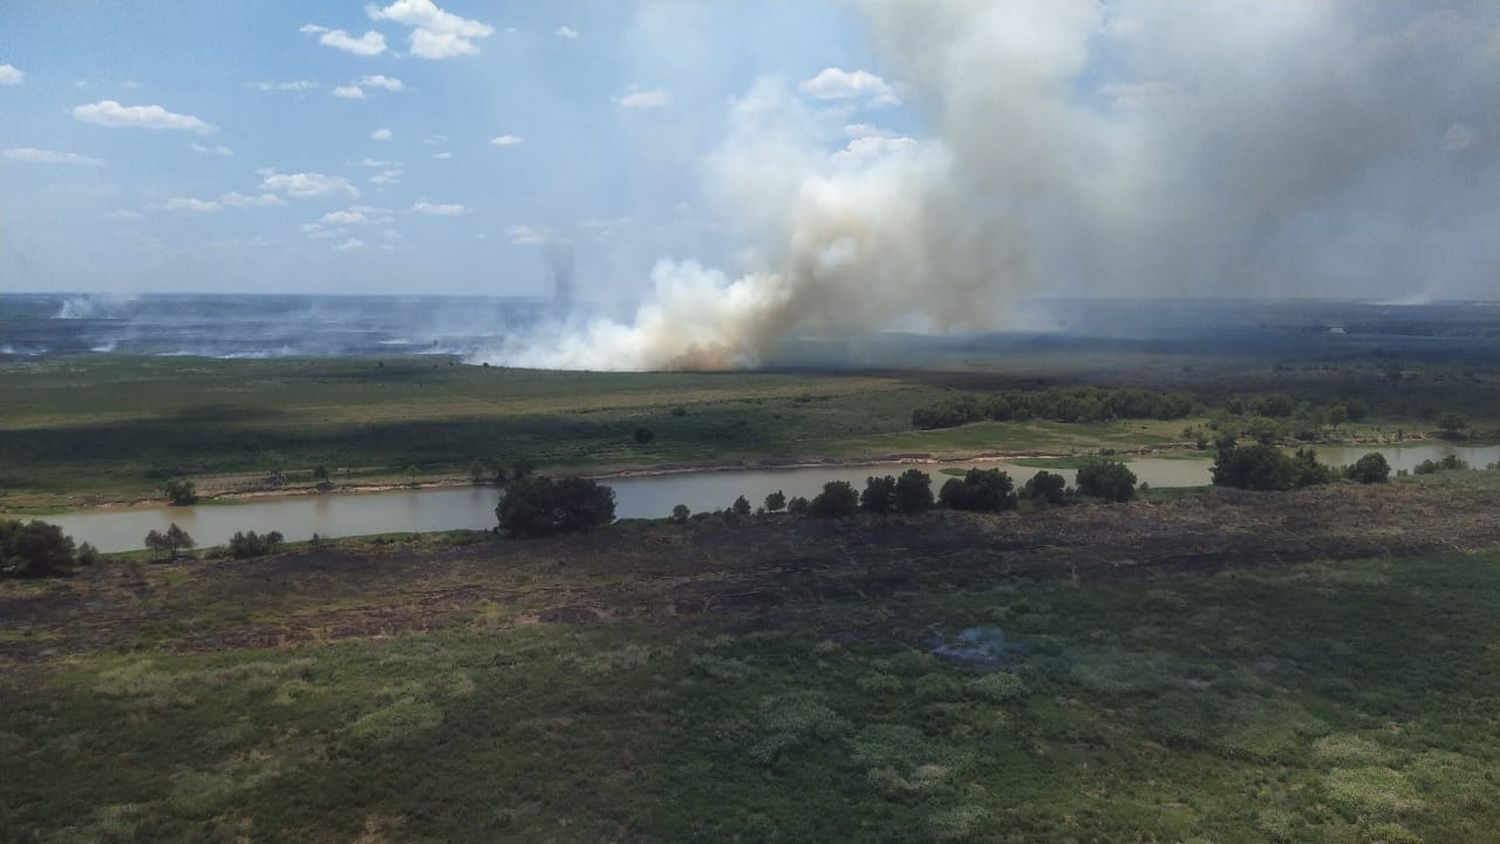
x=450, y=508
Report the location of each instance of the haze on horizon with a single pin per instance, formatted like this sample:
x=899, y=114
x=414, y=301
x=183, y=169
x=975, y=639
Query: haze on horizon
x=745, y=170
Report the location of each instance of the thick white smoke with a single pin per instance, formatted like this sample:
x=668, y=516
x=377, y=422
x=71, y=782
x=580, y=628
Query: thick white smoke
x=1132, y=147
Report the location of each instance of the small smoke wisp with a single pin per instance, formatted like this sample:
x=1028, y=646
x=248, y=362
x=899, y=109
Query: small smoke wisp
x=1077, y=147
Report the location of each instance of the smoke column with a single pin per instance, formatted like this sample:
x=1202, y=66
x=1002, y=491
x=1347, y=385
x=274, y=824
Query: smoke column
x=1123, y=148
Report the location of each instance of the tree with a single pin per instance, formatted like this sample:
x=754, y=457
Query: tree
x=1107, y=479
x=522, y=468
x=776, y=502
x=411, y=472
x=741, y=506
x=176, y=540
x=644, y=436
x=538, y=506
x=478, y=471
x=88, y=555
x=1452, y=424
x=274, y=540
x=1263, y=467
x=1046, y=488
x=913, y=492
x=320, y=473
x=681, y=513
x=837, y=500
x=982, y=490
x=34, y=549
x=180, y=493
x=879, y=495
x=798, y=505
x=156, y=542
x=1370, y=469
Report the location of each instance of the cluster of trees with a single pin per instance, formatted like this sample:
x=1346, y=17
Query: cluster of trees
x=180, y=492
x=1059, y=404
x=244, y=545
x=1264, y=467
x=537, y=505
x=169, y=543
x=1451, y=463
x=39, y=549
x=492, y=469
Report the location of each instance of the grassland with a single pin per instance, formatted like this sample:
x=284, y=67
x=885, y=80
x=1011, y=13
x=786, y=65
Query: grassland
x=78, y=431
x=1311, y=666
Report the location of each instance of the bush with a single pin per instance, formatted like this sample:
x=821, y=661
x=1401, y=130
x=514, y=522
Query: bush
x=170, y=542
x=34, y=549
x=798, y=505
x=879, y=495
x=681, y=513
x=180, y=493
x=1452, y=424
x=982, y=490
x=913, y=492
x=1263, y=467
x=644, y=435
x=538, y=506
x=837, y=500
x=88, y=555
x=246, y=545
x=1110, y=480
x=776, y=502
x=741, y=506
x=1451, y=463
x=1046, y=488
x=1370, y=469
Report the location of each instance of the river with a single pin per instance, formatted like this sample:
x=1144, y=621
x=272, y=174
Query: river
x=298, y=517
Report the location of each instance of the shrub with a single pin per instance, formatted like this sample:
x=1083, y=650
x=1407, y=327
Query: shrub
x=1370, y=469
x=538, y=505
x=1451, y=463
x=1107, y=479
x=837, y=500
x=644, y=435
x=180, y=493
x=88, y=555
x=34, y=549
x=798, y=505
x=741, y=506
x=776, y=501
x=913, y=492
x=983, y=490
x=245, y=545
x=879, y=495
x=1046, y=488
x=681, y=513
x=1452, y=424
x=171, y=542
x=1263, y=467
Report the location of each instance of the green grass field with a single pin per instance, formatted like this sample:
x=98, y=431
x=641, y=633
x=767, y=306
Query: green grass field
x=777, y=680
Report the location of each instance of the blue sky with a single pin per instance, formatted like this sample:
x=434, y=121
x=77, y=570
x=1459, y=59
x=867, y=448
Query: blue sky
x=264, y=179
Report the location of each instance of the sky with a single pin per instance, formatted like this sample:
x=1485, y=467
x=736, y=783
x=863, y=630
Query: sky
x=403, y=147
x=746, y=169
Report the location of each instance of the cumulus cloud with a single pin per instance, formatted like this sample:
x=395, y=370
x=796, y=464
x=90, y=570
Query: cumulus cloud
x=125, y=216
x=1459, y=137
x=506, y=140
x=381, y=134
x=240, y=200
x=530, y=235
x=9, y=75
x=350, y=245
x=32, y=155
x=349, y=92
x=192, y=205
x=111, y=113
x=389, y=83
x=371, y=43
x=834, y=83
x=308, y=185
x=636, y=97
x=436, y=34
x=232, y=199
x=389, y=176
x=443, y=209
x=435, y=140
x=357, y=215
x=442, y=156
x=219, y=150
x=565, y=32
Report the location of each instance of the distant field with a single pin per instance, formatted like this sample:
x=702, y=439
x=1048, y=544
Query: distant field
x=1312, y=666
x=101, y=428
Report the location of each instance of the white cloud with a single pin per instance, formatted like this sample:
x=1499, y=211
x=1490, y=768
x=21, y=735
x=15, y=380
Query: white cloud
x=356, y=215
x=390, y=235
x=240, y=200
x=297, y=85
x=308, y=185
x=435, y=140
x=635, y=97
x=449, y=209
x=371, y=43
x=381, y=134
x=350, y=244
x=389, y=83
x=219, y=150
x=874, y=146
x=436, y=34
x=530, y=235
x=391, y=176
x=192, y=205
x=32, y=155
x=124, y=216
x=111, y=113
x=442, y=156
x=832, y=83
x=349, y=92
x=565, y=32
x=1459, y=137
x=376, y=162
x=317, y=232
x=9, y=75
x=506, y=140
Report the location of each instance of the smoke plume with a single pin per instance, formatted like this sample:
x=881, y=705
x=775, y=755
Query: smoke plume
x=1337, y=148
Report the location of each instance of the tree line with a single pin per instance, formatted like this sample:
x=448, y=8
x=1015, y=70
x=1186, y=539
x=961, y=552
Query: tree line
x=1058, y=404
